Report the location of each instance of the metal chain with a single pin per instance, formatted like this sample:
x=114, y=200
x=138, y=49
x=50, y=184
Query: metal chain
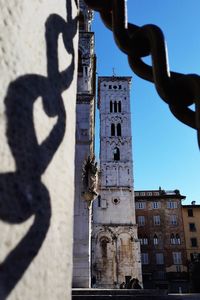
x=179, y=91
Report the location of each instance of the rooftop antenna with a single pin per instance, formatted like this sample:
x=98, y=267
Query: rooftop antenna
x=113, y=71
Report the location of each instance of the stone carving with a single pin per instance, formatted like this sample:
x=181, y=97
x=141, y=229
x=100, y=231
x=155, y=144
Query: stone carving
x=90, y=179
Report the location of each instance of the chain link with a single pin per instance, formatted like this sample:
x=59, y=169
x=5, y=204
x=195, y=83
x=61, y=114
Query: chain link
x=179, y=91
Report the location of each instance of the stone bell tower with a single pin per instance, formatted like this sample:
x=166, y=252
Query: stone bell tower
x=115, y=246
x=85, y=112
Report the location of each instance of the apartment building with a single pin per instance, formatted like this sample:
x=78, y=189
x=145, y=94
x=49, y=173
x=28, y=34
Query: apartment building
x=162, y=239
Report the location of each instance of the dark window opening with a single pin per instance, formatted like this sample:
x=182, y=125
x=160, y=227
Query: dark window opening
x=80, y=65
x=119, y=106
x=110, y=87
x=99, y=201
x=112, y=129
x=192, y=227
x=116, y=201
x=116, y=154
x=194, y=256
x=115, y=106
x=119, y=130
x=193, y=242
x=190, y=212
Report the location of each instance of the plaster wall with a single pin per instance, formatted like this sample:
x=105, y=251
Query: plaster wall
x=38, y=40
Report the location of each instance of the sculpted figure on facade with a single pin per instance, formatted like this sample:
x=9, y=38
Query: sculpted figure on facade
x=90, y=179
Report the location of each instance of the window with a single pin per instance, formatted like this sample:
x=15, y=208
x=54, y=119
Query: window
x=192, y=227
x=111, y=106
x=155, y=240
x=116, y=153
x=119, y=106
x=145, y=240
x=190, y=212
x=141, y=220
x=173, y=219
x=115, y=106
x=156, y=220
x=80, y=65
x=159, y=259
x=119, y=131
x=194, y=256
x=112, y=129
x=193, y=242
x=116, y=201
x=155, y=205
x=99, y=201
x=171, y=204
x=145, y=258
x=172, y=239
x=178, y=239
x=140, y=205
x=160, y=275
x=177, y=259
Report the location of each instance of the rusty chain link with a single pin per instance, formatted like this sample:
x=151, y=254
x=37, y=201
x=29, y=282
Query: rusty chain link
x=179, y=91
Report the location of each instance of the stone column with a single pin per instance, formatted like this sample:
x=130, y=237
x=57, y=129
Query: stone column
x=38, y=59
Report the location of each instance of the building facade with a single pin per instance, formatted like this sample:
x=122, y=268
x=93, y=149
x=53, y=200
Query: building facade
x=115, y=245
x=191, y=220
x=162, y=238
x=85, y=117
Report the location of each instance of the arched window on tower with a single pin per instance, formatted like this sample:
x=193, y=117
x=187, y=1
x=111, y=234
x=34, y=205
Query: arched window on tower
x=119, y=106
x=111, y=106
x=115, y=106
x=116, y=153
x=112, y=129
x=119, y=130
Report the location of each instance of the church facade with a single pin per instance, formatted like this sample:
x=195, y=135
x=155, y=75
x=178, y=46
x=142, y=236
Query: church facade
x=115, y=244
x=84, y=151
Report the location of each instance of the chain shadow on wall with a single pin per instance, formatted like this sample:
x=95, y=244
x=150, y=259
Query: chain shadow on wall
x=22, y=193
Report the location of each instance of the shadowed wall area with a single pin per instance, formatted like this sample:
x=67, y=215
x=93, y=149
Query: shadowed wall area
x=23, y=193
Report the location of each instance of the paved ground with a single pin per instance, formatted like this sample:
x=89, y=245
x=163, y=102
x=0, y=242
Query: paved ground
x=100, y=294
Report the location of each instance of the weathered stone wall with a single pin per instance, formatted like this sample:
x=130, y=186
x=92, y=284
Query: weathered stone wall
x=38, y=54
x=116, y=249
x=85, y=122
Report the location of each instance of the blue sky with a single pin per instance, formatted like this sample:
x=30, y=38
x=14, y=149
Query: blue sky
x=165, y=151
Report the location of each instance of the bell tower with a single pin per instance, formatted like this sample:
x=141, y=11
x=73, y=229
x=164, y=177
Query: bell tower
x=116, y=249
